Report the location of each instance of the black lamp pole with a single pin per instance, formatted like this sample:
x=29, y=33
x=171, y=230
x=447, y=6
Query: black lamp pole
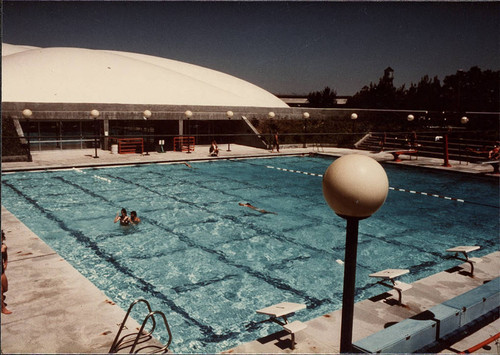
x=95, y=114
x=146, y=115
x=349, y=284
x=229, y=116
x=27, y=114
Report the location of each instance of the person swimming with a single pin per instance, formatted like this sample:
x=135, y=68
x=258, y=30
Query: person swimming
x=133, y=218
x=122, y=217
x=255, y=208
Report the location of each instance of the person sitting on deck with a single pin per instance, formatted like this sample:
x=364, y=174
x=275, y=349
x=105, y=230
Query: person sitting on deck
x=133, y=218
x=123, y=218
x=214, y=149
x=494, y=154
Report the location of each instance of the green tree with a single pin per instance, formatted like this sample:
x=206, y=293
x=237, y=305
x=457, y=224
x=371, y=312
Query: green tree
x=473, y=90
x=325, y=98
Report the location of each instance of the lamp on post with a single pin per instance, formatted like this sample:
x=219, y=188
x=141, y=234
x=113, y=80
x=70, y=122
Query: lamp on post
x=271, y=115
x=188, y=115
x=229, y=115
x=354, y=117
x=95, y=114
x=27, y=114
x=413, y=138
x=464, y=120
x=146, y=115
x=446, y=154
x=354, y=186
x=305, y=116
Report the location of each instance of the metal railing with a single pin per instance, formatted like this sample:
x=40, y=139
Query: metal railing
x=132, y=340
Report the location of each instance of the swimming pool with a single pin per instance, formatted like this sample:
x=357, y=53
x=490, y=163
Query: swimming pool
x=208, y=263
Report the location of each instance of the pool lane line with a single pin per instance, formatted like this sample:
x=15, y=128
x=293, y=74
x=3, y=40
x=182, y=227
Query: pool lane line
x=95, y=176
x=395, y=189
x=426, y=194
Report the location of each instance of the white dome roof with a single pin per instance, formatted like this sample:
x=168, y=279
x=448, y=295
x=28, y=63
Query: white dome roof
x=75, y=75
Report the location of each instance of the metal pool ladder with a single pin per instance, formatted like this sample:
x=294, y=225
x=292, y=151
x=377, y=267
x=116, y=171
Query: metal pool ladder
x=134, y=339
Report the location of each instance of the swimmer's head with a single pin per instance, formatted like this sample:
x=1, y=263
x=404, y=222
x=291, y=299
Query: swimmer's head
x=124, y=211
x=133, y=214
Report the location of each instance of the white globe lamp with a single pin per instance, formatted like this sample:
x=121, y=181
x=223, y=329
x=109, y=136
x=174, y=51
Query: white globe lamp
x=354, y=186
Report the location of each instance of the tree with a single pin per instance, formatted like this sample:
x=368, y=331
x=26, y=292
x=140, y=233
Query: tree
x=325, y=98
x=474, y=90
x=381, y=95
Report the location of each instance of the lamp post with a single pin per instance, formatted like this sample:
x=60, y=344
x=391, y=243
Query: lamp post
x=271, y=115
x=305, y=116
x=446, y=154
x=146, y=115
x=95, y=114
x=354, y=117
x=229, y=115
x=27, y=114
x=354, y=186
x=188, y=115
x=464, y=120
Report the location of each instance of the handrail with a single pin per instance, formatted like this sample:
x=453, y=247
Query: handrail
x=114, y=346
x=163, y=349
x=62, y=141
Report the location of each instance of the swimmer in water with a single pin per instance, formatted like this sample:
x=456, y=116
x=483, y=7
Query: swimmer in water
x=123, y=218
x=133, y=218
x=255, y=208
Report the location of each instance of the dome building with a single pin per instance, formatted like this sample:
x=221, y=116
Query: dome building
x=76, y=75
x=61, y=86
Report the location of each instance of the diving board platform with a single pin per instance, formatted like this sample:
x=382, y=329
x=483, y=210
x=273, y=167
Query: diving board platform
x=494, y=164
x=465, y=250
x=397, y=152
x=284, y=310
x=391, y=275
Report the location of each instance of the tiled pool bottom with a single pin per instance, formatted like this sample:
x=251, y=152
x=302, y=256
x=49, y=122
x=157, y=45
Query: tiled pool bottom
x=209, y=263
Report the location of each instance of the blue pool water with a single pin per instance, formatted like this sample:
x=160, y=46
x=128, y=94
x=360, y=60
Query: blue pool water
x=208, y=263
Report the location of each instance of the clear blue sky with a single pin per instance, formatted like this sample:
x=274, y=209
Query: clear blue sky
x=284, y=47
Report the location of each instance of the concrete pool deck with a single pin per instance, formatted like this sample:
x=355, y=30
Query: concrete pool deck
x=59, y=159
x=57, y=310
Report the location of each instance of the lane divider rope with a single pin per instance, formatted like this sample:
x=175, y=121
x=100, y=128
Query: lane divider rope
x=390, y=188
x=96, y=176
